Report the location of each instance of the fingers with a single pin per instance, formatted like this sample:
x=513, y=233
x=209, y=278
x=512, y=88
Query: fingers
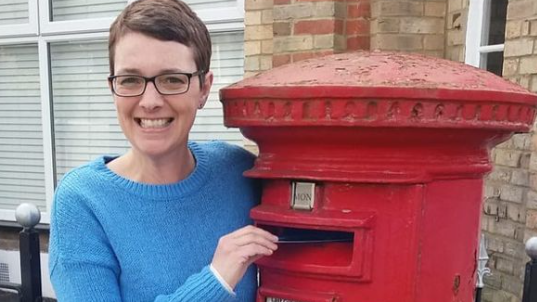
x=237, y=250
x=251, y=235
x=250, y=238
x=252, y=252
x=250, y=229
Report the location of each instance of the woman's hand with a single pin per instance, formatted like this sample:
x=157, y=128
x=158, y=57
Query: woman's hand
x=237, y=250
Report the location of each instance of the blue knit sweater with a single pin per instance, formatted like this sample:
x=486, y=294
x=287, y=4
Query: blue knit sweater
x=112, y=239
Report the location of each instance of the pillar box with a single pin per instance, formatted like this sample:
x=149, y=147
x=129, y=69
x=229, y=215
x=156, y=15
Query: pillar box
x=372, y=167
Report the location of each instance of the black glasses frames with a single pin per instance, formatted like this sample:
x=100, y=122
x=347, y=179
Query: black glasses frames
x=166, y=84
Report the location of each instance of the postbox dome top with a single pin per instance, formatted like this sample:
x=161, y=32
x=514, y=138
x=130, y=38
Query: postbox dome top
x=376, y=89
x=380, y=74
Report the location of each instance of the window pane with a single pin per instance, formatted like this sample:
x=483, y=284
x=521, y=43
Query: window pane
x=227, y=66
x=494, y=62
x=63, y=10
x=498, y=15
x=206, y=4
x=14, y=12
x=85, y=123
x=21, y=151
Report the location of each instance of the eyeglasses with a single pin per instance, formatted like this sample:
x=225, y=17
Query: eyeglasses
x=166, y=84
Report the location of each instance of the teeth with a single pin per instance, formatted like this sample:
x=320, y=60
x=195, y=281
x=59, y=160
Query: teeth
x=161, y=123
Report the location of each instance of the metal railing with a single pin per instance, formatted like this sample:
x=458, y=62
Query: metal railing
x=530, y=279
x=29, y=290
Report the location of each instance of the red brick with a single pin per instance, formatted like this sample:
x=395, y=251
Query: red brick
x=360, y=42
x=360, y=9
x=282, y=2
x=338, y=27
x=279, y=60
x=319, y=0
x=308, y=55
x=318, y=27
x=360, y=27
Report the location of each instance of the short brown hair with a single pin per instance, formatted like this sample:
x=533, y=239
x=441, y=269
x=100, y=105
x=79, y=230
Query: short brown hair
x=165, y=20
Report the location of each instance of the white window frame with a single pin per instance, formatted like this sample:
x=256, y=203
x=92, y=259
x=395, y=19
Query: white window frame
x=47, y=32
x=224, y=19
x=477, y=32
x=71, y=26
x=19, y=30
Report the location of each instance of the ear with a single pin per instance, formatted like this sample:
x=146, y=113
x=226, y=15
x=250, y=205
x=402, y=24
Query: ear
x=208, y=83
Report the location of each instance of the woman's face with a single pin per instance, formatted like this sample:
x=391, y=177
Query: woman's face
x=157, y=125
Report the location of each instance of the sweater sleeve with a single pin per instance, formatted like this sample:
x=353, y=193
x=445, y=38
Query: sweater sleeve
x=201, y=287
x=84, y=267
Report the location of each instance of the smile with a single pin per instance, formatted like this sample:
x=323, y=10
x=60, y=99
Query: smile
x=153, y=123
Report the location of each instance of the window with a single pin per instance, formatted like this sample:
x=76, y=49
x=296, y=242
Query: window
x=18, y=17
x=56, y=110
x=63, y=10
x=22, y=175
x=485, y=35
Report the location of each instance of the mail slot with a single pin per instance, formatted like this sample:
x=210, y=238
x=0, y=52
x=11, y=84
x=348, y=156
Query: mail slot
x=372, y=167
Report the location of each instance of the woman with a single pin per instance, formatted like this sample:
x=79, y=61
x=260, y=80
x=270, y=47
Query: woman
x=151, y=225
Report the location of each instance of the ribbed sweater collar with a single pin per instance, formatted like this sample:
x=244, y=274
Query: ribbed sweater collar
x=185, y=187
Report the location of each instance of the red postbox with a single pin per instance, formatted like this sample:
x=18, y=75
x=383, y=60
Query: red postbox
x=372, y=168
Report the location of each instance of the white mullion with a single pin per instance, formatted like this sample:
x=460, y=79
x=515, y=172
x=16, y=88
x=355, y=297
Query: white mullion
x=491, y=48
x=48, y=153
x=22, y=40
x=75, y=37
x=483, y=57
x=44, y=12
x=33, y=16
x=16, y=30
x=76, y=26
x=485, y=23
x=474, y=31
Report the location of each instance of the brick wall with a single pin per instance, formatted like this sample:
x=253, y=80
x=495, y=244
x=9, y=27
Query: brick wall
x=258, y=36
x=309, y=28
x=10, y=239
x=413, y=26
x=504, y=218
x=456, y=19
x=510, y=208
